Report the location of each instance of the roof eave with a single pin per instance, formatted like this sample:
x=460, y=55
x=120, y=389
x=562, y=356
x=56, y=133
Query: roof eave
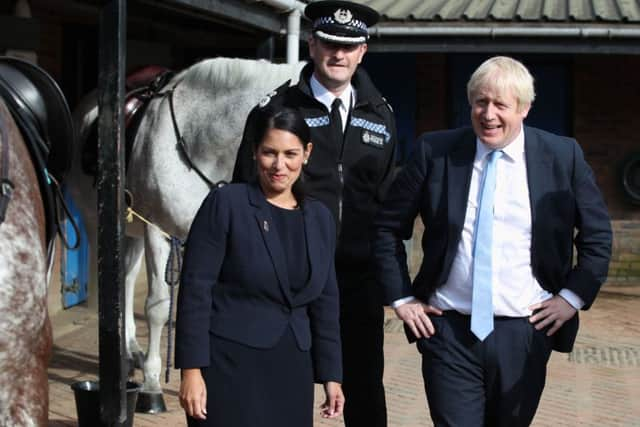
x=495, y=30
x=505, y=38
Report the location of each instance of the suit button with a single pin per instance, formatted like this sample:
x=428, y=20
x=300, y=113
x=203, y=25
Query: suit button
x=286, y=310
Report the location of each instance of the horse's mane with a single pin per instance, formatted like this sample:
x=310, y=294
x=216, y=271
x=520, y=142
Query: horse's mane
x=237, y=73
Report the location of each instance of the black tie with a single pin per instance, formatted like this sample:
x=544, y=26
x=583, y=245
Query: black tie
x=336, y=119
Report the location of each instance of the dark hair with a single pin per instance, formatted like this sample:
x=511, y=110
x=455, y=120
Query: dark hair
x=289, y=120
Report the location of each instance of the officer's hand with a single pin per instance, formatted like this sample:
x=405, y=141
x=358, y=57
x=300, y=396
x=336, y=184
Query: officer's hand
x=415, y=315
x=554, y=311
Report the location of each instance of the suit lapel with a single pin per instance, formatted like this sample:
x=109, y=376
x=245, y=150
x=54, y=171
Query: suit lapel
x=271, y=238
x=459, y=168
x=317, y=252
x=538, y=160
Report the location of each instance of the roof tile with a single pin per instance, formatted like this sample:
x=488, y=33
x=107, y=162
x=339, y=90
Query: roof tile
x=581, y=11
x=503, y=10
x=529, y=10
x=630, y=10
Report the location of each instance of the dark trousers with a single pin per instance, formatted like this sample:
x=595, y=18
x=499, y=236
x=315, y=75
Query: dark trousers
x=361, y=325
x=495, y=382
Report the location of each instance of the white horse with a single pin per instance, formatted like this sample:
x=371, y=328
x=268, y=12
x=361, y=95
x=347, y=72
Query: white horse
x=211, y=101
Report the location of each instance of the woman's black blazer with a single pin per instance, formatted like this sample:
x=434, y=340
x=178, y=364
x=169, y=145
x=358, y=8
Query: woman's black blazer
x=234, y=282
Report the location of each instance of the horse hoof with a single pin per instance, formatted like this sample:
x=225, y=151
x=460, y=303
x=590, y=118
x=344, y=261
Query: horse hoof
x=150, y=403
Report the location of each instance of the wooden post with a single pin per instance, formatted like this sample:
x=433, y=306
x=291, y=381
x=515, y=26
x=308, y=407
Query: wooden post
x=111, y=94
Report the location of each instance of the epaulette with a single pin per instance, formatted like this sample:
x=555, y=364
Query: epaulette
x=267, y=98
x=387, y=102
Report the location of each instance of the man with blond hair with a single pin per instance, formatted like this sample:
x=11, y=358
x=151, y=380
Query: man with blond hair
x=503, y=205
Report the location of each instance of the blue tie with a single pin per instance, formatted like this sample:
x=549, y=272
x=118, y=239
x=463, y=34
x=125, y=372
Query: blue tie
x=482, y=304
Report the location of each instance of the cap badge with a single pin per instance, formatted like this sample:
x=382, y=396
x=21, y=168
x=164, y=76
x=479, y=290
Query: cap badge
x=266, y=99
x=343, y=16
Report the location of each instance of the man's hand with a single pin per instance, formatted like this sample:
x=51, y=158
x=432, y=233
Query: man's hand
x=554, y=311
x=415, y=315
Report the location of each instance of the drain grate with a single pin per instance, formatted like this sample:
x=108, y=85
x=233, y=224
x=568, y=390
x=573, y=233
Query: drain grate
x=618, y=356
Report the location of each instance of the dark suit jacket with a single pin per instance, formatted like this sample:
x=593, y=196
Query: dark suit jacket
x=564, y=199
x=234, y=282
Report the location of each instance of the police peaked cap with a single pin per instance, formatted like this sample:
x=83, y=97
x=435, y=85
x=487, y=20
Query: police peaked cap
x=341, y=22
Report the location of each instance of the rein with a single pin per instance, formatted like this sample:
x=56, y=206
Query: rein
x=6, y=186
x=181, y=143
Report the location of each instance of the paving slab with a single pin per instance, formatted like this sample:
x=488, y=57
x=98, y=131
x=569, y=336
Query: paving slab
x=596, y=385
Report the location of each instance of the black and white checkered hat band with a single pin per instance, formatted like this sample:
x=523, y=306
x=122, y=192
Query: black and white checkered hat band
x=329, y=20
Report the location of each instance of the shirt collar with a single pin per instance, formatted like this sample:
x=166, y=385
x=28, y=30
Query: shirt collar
x=323, y=94
x=513, y=150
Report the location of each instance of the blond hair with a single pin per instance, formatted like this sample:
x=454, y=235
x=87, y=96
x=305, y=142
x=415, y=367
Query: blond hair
x=503, y=74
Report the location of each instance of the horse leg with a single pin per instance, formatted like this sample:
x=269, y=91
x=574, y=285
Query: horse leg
x=24, y=395
x=133, y=250
x=36, y=374
x=156, y=306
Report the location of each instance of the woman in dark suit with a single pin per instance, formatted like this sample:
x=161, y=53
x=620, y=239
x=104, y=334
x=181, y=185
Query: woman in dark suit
x=257, y=319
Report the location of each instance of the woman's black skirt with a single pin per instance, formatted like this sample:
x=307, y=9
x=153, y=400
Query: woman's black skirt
x=249, y=387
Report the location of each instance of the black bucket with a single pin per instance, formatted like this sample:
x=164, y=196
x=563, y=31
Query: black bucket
x=87, y=394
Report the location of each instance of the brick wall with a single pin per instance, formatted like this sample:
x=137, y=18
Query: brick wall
x=431, y=85
x=625, y=264
x=606, y=92
x=606, y=96
x=431, y=114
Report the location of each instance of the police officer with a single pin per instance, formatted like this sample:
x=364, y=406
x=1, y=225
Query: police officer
x=354, y=139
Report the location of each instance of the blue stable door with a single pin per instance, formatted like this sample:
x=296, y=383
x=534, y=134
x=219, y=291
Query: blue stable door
x=75, y=262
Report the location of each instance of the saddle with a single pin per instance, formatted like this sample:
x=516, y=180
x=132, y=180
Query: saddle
x=40, y=110
x=141, y=87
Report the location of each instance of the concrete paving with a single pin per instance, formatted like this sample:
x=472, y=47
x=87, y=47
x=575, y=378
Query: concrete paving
x=596, y=385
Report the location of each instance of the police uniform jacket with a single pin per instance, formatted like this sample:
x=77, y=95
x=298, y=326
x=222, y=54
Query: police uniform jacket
x=350, y=176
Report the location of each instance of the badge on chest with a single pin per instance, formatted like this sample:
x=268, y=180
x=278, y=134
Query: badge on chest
x=372, y=138
x=371, y=133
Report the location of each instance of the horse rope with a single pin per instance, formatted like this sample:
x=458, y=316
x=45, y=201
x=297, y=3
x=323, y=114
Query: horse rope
x=172, y=277
x=131, y=213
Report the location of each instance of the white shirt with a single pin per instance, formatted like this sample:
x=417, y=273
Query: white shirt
x=514, y=286
x=323, y=95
